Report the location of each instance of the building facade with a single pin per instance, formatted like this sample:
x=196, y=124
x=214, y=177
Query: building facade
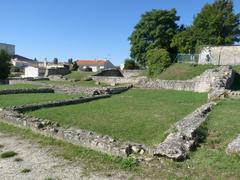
x=9, y=48
x=95, y=65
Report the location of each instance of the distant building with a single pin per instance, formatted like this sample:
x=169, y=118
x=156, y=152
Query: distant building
x=34, y=72
x=95, y=65
x=9, y=48
x=220, y=55
x=22, y=62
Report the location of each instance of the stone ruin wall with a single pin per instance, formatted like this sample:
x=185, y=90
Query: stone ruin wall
x=220, y=55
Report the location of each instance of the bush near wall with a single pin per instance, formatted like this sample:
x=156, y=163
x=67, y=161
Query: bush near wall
x=158, y=60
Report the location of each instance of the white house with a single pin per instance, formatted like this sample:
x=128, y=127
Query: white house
x=33, y=72
x=95, y=65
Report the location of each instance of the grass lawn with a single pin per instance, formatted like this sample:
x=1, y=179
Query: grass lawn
x=183, y=71
x=209, y=161
x=20, y=99
x=17, y=86
x=79, y=75
x=138, y=115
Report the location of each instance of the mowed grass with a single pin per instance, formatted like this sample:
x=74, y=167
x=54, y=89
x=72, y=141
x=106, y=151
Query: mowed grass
x=141, y=116
x=222, y=126
x=183, y=71
x=17, y=86
x=21, y=99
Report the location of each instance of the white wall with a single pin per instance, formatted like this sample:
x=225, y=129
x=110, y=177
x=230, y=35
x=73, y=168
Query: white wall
x=31, y=72
x=220, y=55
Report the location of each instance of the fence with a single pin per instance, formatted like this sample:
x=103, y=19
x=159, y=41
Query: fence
x=187, y=58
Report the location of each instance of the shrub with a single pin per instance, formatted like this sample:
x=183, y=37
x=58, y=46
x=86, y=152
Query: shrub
x=5, y=65
x=130, y=64
x=26, y=171
x=158, y=60
x=75, y=66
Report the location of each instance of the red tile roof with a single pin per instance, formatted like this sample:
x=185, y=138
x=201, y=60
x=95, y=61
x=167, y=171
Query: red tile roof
x=91, y=62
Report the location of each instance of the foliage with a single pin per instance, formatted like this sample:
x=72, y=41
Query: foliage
x=130, y=64
x=158, y=60
x=55, y=61
x=75, y=66
x=216, y=24
x=155, y=30
x=70, y=61
x=5, y=65
x=138, y=115
x=185, y=41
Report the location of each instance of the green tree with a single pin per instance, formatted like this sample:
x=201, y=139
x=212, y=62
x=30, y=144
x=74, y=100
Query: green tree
x=5, y=65
x=158, y=60
x=130, y=64
x=55, y=61
x=217, y=24
x=75, y=66
x=155, y=30
x=70, y=61
x=185, y=41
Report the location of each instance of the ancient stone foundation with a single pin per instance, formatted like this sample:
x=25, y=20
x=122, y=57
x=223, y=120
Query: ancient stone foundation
x=234, y=147
x=26, y=91
x=178, y=144
x=89, y=139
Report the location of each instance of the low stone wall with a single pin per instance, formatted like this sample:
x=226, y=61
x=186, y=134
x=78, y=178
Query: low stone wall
x=36, y=106
x=89, y=139
x=25, y=80
x=26, y=91
x=178, y=144
x=4, y=81
x=115, y=80
x=233, y=148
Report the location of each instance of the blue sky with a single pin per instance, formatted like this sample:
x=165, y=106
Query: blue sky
x=81, y=29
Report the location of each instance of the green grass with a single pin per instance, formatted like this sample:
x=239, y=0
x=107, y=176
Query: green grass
x=21, y=99
x=209, y=161
x=8, y=154
x=138, y=115
x=183, y=71
x=79, y=75
x=25, y=170
x=17, y=86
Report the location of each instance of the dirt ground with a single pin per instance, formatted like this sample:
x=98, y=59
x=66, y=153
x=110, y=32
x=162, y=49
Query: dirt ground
x=41, y=163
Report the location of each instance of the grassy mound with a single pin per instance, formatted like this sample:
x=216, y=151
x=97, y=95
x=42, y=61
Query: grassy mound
x=183, y=71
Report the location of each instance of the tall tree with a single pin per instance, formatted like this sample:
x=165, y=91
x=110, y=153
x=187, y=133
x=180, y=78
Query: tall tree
x=155, y=30
x=4, y=64
x=70, y=61
x=217, y=24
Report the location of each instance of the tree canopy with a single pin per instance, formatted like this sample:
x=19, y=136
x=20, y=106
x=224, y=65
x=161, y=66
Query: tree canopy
x=155, y=30
x=216, y=24
x=4, y=64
